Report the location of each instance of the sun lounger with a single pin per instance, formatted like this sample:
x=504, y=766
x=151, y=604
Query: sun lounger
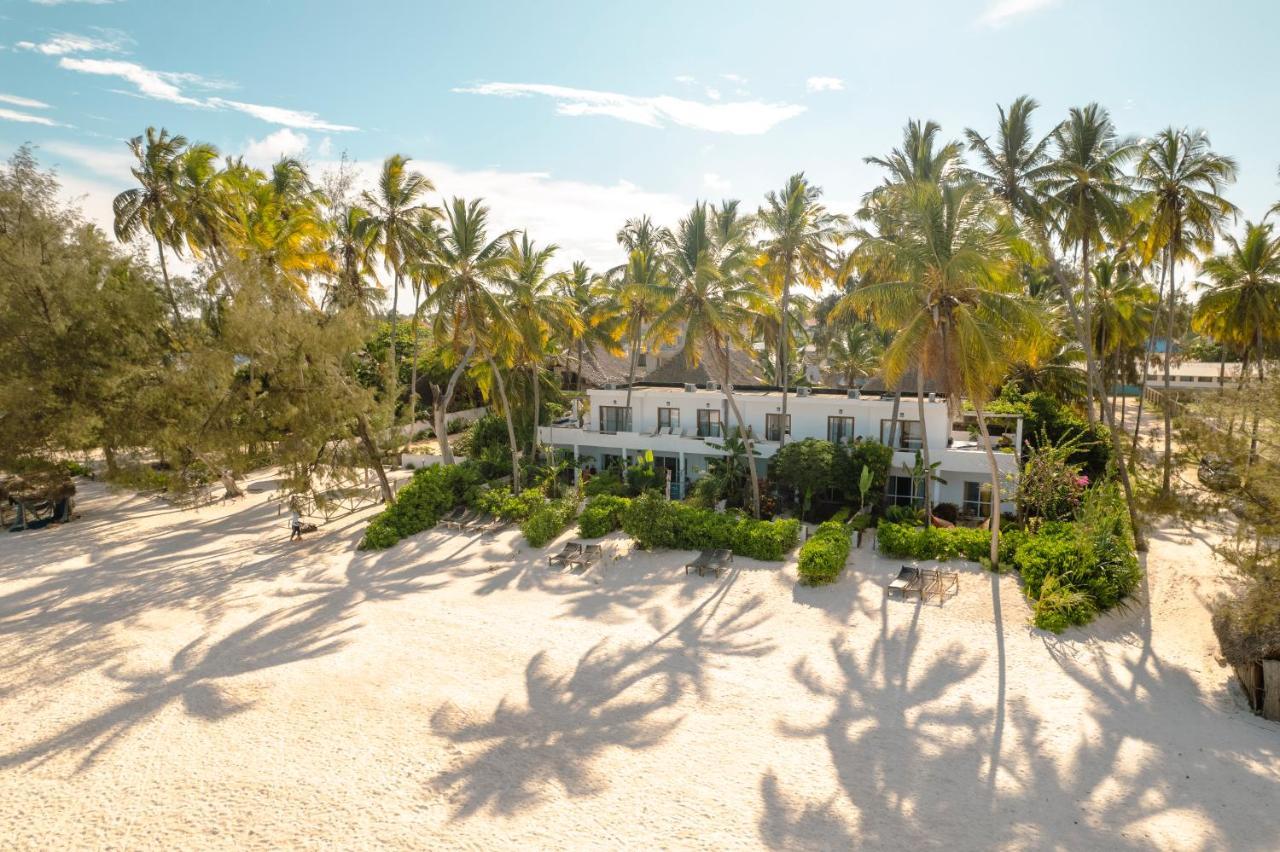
x=907, y=581
x=702, y=560
x=570, y=550
x=487, y=524
x=452, y=515
x=468, y=517
x=591, y=554
x=938, y=583
x=711, y=560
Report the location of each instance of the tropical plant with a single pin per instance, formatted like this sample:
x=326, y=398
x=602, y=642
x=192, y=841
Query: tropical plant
x=151, y=207
x=1014, y=167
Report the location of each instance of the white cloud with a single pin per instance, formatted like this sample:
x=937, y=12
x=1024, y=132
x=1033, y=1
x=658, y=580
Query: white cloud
x=112, y=163
x=25, y=117
x=685, y=79
x=280, y=115
x=824, y=84
x=161, y=85
x=61, y=44
x=741, y=117
x=713, y=94
x=1000, y=12
x=716, y=183
x=29, y=103
x=283, y=143
x=735, y=78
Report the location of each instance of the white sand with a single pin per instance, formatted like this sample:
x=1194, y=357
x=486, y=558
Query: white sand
x=190, y=679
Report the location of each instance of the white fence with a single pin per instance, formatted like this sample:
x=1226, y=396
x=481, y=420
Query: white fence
x=416, y=460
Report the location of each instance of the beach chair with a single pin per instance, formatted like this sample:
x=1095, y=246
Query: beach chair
x=487, y=524
x=468, y=517
x=907, y=581
x=721, y=559
x=702, y=560
x=452, y=515
x=592, y=554
x=939, y=584
x=570, y=550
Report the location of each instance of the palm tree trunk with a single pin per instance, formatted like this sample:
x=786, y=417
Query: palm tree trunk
x=924, y=447
x=511, y=428
x=578, y=381
x=1146, y=368
x=782, y=346
x=375, y=458
x=1168, y=357
x=893, y=433
x=1086, y=310
x=746, y=436
x=413, y=380
x=535, y=374
x=168, y=288
x=1253, y=437
x=631, y=370
x=392, y=379
x=995, y=483
x=441, y=408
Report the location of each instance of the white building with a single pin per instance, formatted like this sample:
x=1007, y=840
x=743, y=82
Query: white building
x=683, y=427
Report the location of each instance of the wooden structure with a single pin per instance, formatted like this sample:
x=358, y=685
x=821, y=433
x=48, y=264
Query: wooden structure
x=38, y=498
x=1261, y=683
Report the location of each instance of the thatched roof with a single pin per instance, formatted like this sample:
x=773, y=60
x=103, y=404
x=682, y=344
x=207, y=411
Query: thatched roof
x=36, y=486
x=906, y=384
x=742, y=371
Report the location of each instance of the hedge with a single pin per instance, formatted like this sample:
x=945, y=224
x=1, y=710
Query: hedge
x=654, y=521
x=822, y=557
x=419, y=504
x=933, y=542
x=549, y=520
x=501, y=503
x=602, y=515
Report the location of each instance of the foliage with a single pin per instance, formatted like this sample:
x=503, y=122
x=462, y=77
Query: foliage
x=903, y=515
x=1046, y=419
x=419, y=504
x=549, y=520
x=933, y=542
x=947, y=511
x=823, y=556
x=608, y=481
x=602, y=515
x=805, y=466
x=656, y=522
x=1051, y=487
x=502, y=503
x=75, y=468
x=851, y=459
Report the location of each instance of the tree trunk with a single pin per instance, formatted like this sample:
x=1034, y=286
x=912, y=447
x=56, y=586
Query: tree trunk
x=1146, y=368
x=924, y=447
x=783, y=349
x=631, y=370
x=535, y=374
x=413, y=381
x=511, y=428
x=995, y=484
x=442, y=404
x=893, y=434
x=746, y=440
x=1165, y=487
x=578, y=378
x=109, y=454
x=393, y=379
x=1253, y=437
x=365, y=434
x=1086, y=340
x=168, y=288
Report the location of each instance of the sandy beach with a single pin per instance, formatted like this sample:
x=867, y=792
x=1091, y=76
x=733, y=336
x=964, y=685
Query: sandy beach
x=190, y=679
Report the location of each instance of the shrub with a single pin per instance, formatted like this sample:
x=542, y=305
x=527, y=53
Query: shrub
x=823, y=556
x=1060, y=606
x=602, y=516
x=903, y=515
x=947, y=512
x=805, y=467
x=933, y=542
x=419, y=504
x=501, y=503
x=847, y=465
x=605, y=482
x=654, y=521
x=75, y=468
x=549, y=520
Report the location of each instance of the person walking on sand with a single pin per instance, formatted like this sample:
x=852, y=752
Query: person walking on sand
x=295, y=523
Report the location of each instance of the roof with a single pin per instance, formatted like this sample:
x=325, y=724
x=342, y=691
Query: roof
x=742, y=371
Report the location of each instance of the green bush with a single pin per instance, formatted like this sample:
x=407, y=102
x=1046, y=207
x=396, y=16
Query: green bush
x=904, y=515
x=419, y=504
x=822, y=557
x=933, y=542
x=602, y=516
x=75, y=468
x=1060, y=606
x=605, y=482
x=549, y=520
x=501, y=503
x=654, y=521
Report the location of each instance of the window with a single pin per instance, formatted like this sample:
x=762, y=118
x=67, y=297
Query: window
x=668, y=417
x=642, y=360
x=615, y=418
x=708, y=423
x=840, y=430
x=977, y=499
x=907, y=437
x=773, y=427
x=906, y=491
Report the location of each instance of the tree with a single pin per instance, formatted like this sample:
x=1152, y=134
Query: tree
x=805, y=466
x=1124, y=309
x=853, y=351
x=800, y=235
x=1017, y=163
x=644, y=292
x=1179, y=179
x=395, y=212
x=589, y=298
x=957, y=309
x=151, y=206
x=464, y=271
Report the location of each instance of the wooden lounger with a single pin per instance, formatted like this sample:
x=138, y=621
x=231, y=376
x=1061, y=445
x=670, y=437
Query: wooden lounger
x=466, y=519
x=452, y=515
x=907, y=581
x=488, y=524
x=590, y=555
x=570, y=550
x=938, y=583
x=702, y=560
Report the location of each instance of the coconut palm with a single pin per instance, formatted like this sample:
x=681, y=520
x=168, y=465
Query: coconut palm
x=1086, y=193
x=853, y=351
x=151, y=206
x=1015, y=165
x=799, y=241
x=957, y=309
x=395, y=214
x=588, y=297
x=643, y=292
x=1124, y=308
x=715, y=291
x=354, y=284
x=1241, y=301
x=200, y=209
x=1179, y=179
x=920, y=159
x=463, y=272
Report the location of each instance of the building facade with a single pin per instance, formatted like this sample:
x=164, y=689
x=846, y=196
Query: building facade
x=684, y=427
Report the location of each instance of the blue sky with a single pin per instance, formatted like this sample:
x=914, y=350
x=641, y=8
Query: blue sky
x=571, y=116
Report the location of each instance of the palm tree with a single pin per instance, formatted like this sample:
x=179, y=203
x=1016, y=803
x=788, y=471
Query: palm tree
x=1123, y=312
x=589, y=298
x=715, y=293
x=1086, y=190
x=643, y=293
x=853, y=350
x=151, y=206
x=956, y=307
x=920, y=159
x=801, y=234
x=354, y=284
x=395, y=213
x=200, y=212
x=463, y=271
x=1017, y=163
x=1180, y=178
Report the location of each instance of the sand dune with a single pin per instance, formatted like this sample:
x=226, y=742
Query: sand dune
x=190, y=679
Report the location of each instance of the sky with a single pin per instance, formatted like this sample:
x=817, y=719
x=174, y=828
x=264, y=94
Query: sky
x=571, y=117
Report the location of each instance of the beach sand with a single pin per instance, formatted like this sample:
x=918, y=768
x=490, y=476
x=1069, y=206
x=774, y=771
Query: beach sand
x=190, y=679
